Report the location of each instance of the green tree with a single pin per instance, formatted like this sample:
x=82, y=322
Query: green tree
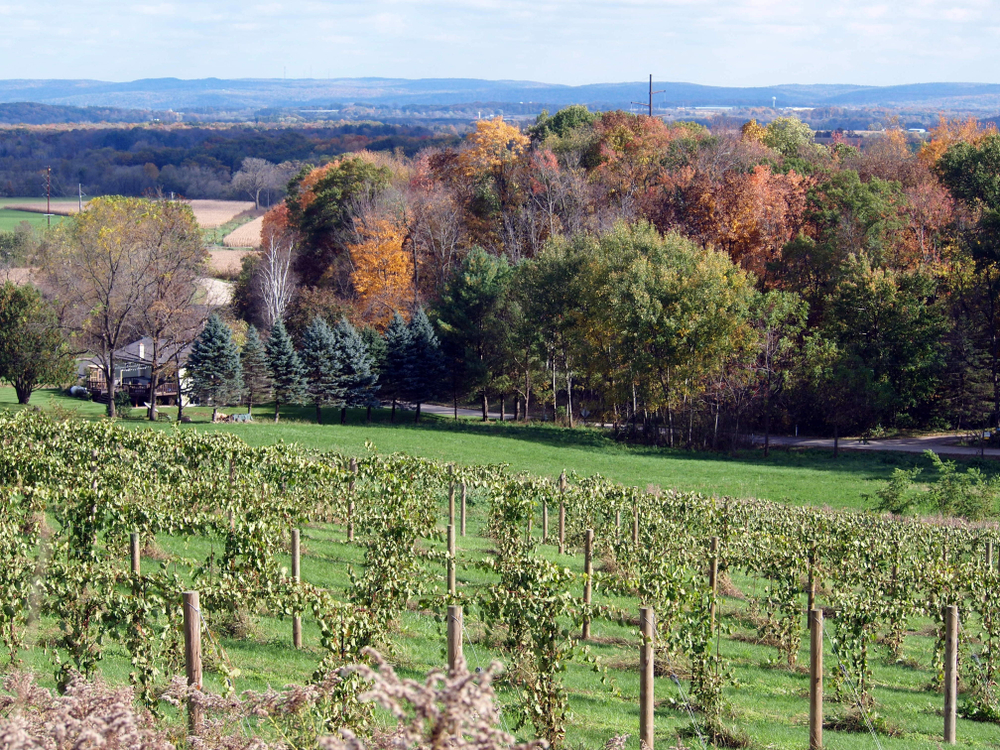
x=256, y=378
x=322, y=366
x=32, y=349
x=214, y=365
x=789, y=136
x=891, y=323
x=423, y=368
x=357, y=379
x=472, y=319
x=397, y=342
x=287, y=376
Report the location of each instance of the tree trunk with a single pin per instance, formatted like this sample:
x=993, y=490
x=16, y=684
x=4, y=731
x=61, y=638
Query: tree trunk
x=250, y=402
x=392, y=414
x=836, y=442
x=180, y=396
x=23, y=391
x=416, y=418
x=486, y=408
x=319, y=414
x=569, y=395
x=343, y=414
x=503, y=405
x=276, y=406
x=527, y=391
x=455, y=405
x=767, y=421
x=368, y=415
x=517, y=408
x=109, y=381
x=215, y=413
x=555, y=400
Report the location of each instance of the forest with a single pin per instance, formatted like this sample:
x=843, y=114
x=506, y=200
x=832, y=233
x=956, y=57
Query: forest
x=686, y=286
x=190, y=162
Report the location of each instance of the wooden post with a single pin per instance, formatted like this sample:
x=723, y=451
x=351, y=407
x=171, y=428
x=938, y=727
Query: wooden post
x=192, y=655
x=618, y=520
x=815, y=679
x=451, y=495
x=812, y=580
x=452, y=588
x=588, y=572
x=713, y=579
x=545, y=521
x=562, y=514
x=350, y=500
x=135, y=553
x=989, y=554
x=635, y=527
x=463, y=509
x=455, y=655
x=647, y=626
x=297, y=577
x=950, y=672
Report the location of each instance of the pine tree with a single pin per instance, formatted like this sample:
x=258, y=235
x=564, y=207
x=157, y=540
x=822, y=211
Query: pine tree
x=375, y=344
x=423, y=369
x=214, y=365
x=256, y=378
x=322, y=365
x=397, y=341
x=286, y=369
x=356, y=375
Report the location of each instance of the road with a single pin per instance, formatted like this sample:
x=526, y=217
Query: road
x=943, y=445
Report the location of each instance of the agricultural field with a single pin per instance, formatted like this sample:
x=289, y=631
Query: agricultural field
x=188, y=493
x=15, y=211
x=247, y=235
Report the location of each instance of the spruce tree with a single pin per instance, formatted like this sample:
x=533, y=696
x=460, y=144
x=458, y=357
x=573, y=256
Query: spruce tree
x=321, y=362
x=214, y=365
x=256, y=378
x=286, y=369
x=375, y=344
x=423, y=369
x=397, y=341
x=356, y=375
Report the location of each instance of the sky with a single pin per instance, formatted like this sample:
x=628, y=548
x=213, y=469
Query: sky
x=713, y=42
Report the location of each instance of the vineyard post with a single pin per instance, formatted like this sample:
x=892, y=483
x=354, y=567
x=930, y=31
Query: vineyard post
x=635, y=527
x=989, y=554
x=452, y=588
x=297, y=577
x=812, y=580
x=451, y=494
x=455, y=656
x=192, y=656
x=350, y=500
x=463, y=509
x=588, y=573
x=562, y=513
x=815, y=679
x=647, y=623
x=618, y=521
x=135, y=554
x=713, y=579
x=545, y=521
x=950, y=672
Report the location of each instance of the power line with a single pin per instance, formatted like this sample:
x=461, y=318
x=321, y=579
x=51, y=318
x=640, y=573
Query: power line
x=651, y=92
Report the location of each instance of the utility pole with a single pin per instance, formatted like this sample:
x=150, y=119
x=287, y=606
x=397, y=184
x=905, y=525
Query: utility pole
x=651, y=92
x=48, y=196
x=80, y=188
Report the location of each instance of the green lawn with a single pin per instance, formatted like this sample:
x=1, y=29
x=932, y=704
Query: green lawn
x=768, y=702
x=9, y=220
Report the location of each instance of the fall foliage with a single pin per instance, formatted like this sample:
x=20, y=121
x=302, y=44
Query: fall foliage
x=383, y=272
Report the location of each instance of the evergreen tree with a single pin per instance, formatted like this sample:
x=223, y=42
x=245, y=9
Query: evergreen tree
x=375, y=344
x=397, y=341
x=423, y=369
x=322, y=365
x=214, y=365
x=287, y=374
x=256, y=378
x=356, y=375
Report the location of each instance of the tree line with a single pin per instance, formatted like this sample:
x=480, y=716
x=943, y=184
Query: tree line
x=681, y=284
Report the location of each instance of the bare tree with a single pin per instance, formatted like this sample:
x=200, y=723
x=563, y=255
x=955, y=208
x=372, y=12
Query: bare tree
x=275, y=282
x=103, y=268
x=255, y=177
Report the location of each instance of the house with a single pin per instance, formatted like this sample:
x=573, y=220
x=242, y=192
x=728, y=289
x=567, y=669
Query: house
x=133, y=372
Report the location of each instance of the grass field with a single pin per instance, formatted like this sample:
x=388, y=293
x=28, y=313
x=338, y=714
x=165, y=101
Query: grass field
x=10, y=219
x=768, y=702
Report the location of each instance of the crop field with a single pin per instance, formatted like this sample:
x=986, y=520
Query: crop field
x=247, y=235
x=212, y=214
x=14, y=211
x=214, y=514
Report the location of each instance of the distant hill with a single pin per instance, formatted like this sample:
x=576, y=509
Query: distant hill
x=160, y=94
x=34, y=113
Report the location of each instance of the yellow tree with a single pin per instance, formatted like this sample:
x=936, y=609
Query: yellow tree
x=382, y=271
x=948, y=133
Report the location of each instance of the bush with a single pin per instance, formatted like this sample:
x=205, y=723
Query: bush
x=123, y=404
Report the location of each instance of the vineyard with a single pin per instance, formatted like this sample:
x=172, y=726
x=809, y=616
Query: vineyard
x=729, y=581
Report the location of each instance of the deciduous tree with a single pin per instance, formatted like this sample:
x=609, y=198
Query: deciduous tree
x=33, y=351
